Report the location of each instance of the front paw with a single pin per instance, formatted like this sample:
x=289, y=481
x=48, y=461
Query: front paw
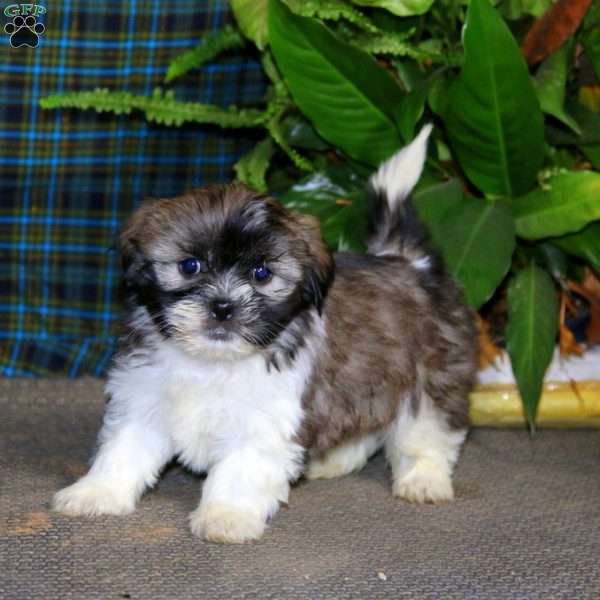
x=226, y=524
x=88, y=497
x=425, y=482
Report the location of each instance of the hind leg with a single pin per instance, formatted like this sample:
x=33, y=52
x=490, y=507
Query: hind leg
x=422, y=450
x=346, y=458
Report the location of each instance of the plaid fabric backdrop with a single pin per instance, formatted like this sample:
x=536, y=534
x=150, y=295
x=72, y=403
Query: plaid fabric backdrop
x=68, y=178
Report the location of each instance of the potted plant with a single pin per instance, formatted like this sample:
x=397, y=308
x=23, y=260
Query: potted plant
x=511, y=192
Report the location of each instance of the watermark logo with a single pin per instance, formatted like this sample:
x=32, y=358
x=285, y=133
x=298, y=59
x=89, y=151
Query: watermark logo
x=24, y=29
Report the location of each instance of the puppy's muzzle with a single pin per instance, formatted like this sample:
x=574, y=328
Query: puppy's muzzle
x=222, y=310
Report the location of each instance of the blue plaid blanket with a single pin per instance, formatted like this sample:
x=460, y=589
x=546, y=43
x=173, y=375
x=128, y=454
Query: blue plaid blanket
x=68, y=178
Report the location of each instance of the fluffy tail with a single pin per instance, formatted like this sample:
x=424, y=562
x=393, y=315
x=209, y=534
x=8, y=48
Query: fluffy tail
x=394, y=228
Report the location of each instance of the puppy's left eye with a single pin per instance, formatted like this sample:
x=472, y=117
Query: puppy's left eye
x=189, y=266
x=261, y=274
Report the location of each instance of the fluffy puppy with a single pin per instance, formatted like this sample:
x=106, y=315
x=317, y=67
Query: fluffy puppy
x=254, y=355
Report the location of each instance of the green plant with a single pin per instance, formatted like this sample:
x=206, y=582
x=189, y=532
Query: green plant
x=510, y=193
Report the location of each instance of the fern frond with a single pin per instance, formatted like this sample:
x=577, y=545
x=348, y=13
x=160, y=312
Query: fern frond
x=274, y=128
x=279, y=102
x=252, y=168
x=212, y=45
x=160, y=107
x=332, y=10
x=270, y=69
x=396, y=45
x=278, y=95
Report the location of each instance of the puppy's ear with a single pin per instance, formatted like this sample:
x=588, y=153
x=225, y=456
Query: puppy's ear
x=137, y=269
x=318, y=263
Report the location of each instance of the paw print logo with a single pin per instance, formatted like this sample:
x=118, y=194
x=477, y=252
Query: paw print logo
x=24, y=31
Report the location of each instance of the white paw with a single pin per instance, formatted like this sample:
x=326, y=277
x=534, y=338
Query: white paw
x=87, y=497
x=424, y=482
x=348, y=457
x=226, y=524
x=326, y=469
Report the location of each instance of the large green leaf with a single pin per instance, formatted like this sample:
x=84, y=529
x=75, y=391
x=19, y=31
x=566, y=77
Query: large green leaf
x=347, y=96
x=531, y=332
x=411, y=109
x=409, y=73
x=251, y=16
x=402, y=8
x=584, y=244
x=588, y=122
x=476, y=238
x=493, y=116
x=301, y=134
x=566, y=203
x=437, y=98
x=547, y=255
x=550, y=81
x=337, y=198
x=435, y=201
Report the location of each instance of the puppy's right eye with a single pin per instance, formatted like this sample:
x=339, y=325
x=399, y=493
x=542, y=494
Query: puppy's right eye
x=189, y=266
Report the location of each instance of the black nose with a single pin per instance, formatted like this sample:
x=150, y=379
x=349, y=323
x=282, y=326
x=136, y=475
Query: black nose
x=222, y=310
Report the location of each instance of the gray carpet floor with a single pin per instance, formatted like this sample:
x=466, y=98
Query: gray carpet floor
x=525, y=523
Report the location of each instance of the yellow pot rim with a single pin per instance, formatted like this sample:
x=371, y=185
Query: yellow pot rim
x=563, y=404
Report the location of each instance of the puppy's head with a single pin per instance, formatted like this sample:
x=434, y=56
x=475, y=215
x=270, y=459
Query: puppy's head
x=222, y=270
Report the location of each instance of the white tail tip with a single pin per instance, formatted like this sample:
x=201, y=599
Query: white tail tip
x=398, y=175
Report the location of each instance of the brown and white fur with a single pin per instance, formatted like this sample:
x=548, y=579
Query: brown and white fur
x=309, y=370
